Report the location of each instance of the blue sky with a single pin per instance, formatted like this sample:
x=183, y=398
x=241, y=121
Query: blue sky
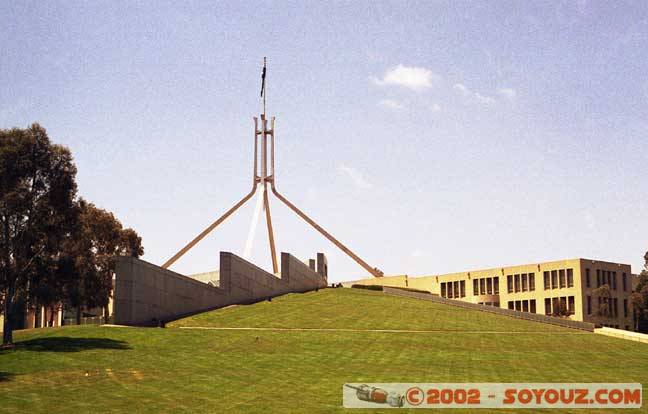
x=430, y=137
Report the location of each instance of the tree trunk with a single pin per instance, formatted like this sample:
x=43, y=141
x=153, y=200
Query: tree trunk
x=51, y=316
x=7, y=328
x=106, y=314
x=78, y=315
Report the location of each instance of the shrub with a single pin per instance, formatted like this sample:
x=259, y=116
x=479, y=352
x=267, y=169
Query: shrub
x=368, y=287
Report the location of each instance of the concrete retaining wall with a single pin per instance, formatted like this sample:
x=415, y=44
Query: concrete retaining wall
x=623, y=334
x=145, y=293
x=568, y=323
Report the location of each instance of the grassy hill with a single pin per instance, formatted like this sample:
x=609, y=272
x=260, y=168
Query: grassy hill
x=100, y=369
x=357, y=309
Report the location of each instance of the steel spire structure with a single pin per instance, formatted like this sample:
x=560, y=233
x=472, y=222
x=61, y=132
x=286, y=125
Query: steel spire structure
x=264, y=177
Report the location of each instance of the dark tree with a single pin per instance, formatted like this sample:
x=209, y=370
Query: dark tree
x=560, y=310
x=98, y=239
x=131, y=243
x=37, y=191
x=639, y=299
x=605, y=294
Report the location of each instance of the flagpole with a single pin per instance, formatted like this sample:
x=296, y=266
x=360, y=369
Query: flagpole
x=263, y=91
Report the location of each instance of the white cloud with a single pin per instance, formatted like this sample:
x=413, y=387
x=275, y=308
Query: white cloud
x=411, y=77
x=418, y=253
x=483, y=99
x=461, y=88
x=473, y=96
x=356, y=176
x=391, y=103
x=436, y=107
x=508, y=93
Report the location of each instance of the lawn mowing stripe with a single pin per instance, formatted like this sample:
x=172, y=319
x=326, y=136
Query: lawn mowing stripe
x=373, y=330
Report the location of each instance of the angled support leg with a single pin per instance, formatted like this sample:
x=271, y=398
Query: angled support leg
x=255, y=181
x=374, y=271
x=209, y=229
x=273, y=250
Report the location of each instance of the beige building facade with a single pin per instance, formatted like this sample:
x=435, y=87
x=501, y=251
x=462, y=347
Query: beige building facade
x=571, y=288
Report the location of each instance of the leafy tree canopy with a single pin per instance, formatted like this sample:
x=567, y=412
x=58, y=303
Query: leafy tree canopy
x=53, y=247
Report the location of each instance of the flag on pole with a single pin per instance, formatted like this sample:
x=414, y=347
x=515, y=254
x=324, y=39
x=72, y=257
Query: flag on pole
x=263, y=73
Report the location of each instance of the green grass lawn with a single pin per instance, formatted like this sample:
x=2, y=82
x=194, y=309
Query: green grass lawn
x=104, y=369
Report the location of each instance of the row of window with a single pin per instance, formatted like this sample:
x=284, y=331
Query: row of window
x=523, y=282
x=486, y=286
x=520, y=283
x=523, y=305
x=608, y=307
x=560, y=306
x=452, y=290
x=496, y=304
x=606, y=277
x=627, y=327
x=558, y=279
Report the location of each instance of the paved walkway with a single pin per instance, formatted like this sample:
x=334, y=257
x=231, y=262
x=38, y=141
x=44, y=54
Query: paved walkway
x=380, y=330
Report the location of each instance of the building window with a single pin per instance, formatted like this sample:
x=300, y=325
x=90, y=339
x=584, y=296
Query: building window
x=462, y=288
x=489, y=286
x=509, y=283
x=615, y=308
x=531, y=281
x=455, y=288
x=598, y=278
x=443, y=289
x=482, y=287
x=449, y=290
x=496, y=285
x=563, y=282
x=525, y=282
x=525, y=306
x=624, y=279
x=511, y=306
x=532, y=304
x=625, y=308
x=614, y=280
x=570, y=305
x=518, y=305
x=547, y=286
x=589, y=305
x=517, y=283
x=547, y=306
x=587, y=278
x=570, y=277
x=554, y=279
x=475, y=287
